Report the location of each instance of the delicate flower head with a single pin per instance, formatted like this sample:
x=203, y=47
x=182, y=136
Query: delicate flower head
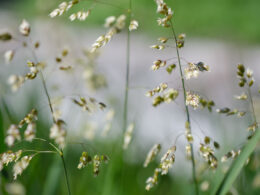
x=29, y=133
x=110, y=21
x=133, y=25
x=16, y=82
x=84, y=160
x=13, y=134
x=152, y=154
x=192, y=100
x=191, y=71
x=58, y=133
x=21, y=165
x=128, y=135
x=9, y=55
x=152, y=181
x=167, y=160
x=24, y=28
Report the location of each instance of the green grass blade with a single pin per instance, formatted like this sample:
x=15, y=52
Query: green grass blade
x=237, y=165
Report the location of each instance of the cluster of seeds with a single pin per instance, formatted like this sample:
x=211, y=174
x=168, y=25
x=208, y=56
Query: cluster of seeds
x=115, y=26
x=166, y=163
x=207, y=104
x=86, y=159
x=62, y=8
x=230, y=155
x=128, y=135
x=230, y=112
x=13, y=133
x=152, y=154
x=58, y=133
x=193, y=69
x=89, y=105
x=167, y=12
x=21, y=163
x=207, y=152
x=192, y=99
x=80, y=15
x=168, y=96
x=245, y=76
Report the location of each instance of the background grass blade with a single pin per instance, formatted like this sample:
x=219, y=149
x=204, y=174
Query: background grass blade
x=237, y=165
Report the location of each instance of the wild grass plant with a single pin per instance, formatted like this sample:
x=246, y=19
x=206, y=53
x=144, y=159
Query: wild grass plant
x=21, y=143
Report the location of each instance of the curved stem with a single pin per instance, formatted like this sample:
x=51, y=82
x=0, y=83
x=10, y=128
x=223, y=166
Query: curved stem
x=54, y=120
x=186, y=109
x=66, y=173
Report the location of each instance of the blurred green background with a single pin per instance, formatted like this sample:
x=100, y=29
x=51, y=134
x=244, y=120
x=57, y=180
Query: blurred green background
x=230, y=20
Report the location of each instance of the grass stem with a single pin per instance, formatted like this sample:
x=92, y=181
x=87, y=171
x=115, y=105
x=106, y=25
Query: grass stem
x=186, y=109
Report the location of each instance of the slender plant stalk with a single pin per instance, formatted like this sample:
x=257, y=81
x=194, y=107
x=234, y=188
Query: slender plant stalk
x=252, y=104
x=186, y=108
x=66, y=173
x=128, y=45
x=237, y=165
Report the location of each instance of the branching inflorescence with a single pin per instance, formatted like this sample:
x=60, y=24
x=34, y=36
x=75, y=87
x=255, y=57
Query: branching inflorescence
x=192, y=70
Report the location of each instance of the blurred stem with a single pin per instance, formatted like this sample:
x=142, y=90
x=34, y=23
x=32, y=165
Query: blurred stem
x=252, y=104
x=54, y=120
x=127, y=68
x=186, y=108
x=66, y=173
x=48, y=96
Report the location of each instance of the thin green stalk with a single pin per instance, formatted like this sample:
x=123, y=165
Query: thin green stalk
x=128, y=45
x=66, y=173
x=252, y=104
x=237, y=165
x=54, y=120
x=48, y=96
x=186, y=108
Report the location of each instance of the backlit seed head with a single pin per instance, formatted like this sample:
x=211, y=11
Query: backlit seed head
x=58, y=133
x=9, y=55
x=24, y=28
x=133, y=25
x=110, y=21
x=21, y=165
x=152, y=154
x=163, y=39
x=128, y=136
x=243, y=96
x=84, y=160
x=170, y=68
x=192, y=100
x=13, y=134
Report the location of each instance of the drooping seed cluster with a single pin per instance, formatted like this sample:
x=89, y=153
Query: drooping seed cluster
x=62, y=8
x=166, y=163
x=152, y=154
x=20, y=163
x=230, y=112
x=164, y=10
x=58, y=133
x=245, y=76
x=86, y=159
x=193, y=70
x=13, y=133
x=128, y=135
x=89, y=105
x=192, y=100
x=207, y=152
x=115, y=26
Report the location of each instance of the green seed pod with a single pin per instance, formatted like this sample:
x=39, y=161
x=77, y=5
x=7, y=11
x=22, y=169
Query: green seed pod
x=241, y=68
